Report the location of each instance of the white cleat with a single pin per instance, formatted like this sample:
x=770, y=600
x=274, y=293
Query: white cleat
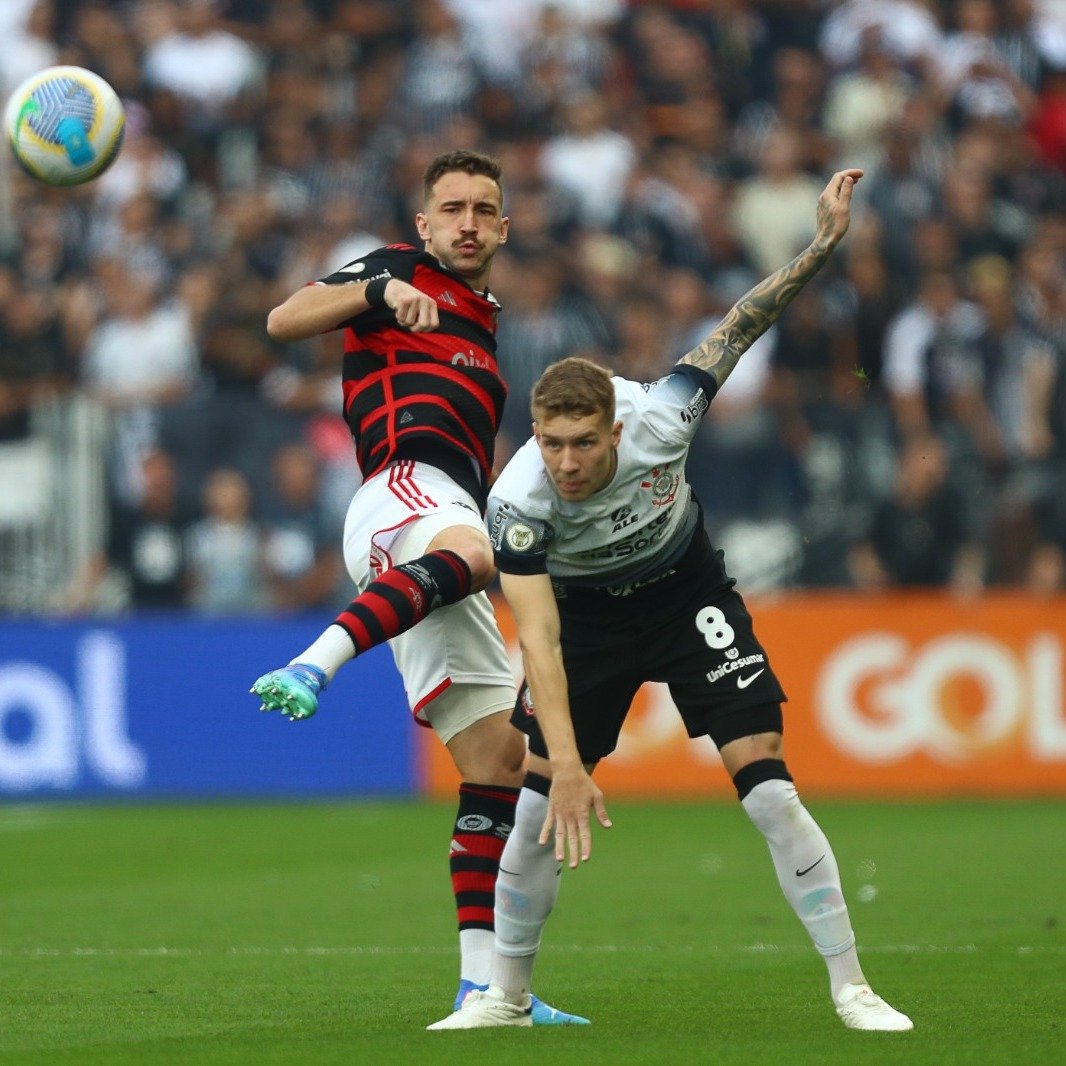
x=487, y=1010
x=860, y=1007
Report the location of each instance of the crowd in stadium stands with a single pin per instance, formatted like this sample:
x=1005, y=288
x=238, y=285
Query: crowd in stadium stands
x=902, y=425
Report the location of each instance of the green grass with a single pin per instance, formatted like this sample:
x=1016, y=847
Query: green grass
x=324, y=933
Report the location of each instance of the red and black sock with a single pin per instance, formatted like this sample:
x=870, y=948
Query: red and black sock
x=402, y=596
x=482, y=826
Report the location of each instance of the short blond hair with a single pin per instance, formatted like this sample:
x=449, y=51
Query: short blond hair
x=574, y=387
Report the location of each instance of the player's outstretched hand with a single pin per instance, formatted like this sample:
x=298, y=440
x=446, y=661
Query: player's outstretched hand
x=834, y=205
x=414, y=309
x=573, y=794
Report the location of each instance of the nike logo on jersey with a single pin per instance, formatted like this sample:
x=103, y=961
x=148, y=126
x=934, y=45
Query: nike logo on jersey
x=743, y=682
x=800, y=873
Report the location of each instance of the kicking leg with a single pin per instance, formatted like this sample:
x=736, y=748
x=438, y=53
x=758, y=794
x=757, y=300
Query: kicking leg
x=456, y=562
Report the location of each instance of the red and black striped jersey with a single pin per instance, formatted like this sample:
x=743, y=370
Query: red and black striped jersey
x=433, y=397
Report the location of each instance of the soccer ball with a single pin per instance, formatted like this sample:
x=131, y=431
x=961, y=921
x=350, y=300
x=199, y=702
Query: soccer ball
x=65, y=125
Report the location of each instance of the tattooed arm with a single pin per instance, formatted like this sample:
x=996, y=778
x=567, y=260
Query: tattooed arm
x=752, y=315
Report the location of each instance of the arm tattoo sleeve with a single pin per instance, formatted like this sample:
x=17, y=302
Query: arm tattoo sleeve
x=753, y=314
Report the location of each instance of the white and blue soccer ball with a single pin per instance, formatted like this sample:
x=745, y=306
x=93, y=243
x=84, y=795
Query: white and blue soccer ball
x=65, y=125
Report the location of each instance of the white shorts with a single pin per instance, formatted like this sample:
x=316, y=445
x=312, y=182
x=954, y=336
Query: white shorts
x=454, y=651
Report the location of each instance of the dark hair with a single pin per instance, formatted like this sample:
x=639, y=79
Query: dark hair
x=573, y=386
x=465, y=160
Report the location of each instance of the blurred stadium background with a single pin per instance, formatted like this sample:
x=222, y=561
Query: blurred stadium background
x=890, y=460
x=886, y=470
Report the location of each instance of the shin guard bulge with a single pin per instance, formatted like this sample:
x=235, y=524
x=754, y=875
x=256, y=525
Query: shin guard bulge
x=805, y=865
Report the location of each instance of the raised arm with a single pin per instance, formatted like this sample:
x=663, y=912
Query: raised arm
x=753, y=314
x=316, y=309
x=573, y=791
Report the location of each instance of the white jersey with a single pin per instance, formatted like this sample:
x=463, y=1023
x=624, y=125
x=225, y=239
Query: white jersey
x=631, y=529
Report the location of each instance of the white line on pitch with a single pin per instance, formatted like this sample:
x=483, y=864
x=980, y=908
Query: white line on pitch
x=381, y=949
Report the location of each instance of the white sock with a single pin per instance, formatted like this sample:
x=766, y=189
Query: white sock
x=475, y=955
x=526, y=891
x=808, y=875
x=330, y=652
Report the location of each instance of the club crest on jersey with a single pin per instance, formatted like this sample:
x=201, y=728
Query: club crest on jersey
x=519, y=537
x=663, y=485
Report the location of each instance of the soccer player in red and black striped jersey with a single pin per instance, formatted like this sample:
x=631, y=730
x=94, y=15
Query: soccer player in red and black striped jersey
x=423, y=397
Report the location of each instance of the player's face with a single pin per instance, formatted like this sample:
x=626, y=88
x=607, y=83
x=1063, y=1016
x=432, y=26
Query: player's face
x=578, y=452
x=463, y=224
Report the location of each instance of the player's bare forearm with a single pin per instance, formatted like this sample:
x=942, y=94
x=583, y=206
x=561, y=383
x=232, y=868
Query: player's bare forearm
x=573, y=792
x=316, y=309
x=753, y=314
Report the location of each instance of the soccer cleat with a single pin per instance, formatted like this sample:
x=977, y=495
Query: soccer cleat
x=543, y=1013
x=293, y=690
x=465, y=988
x=489, y=1009
x=860, y=1007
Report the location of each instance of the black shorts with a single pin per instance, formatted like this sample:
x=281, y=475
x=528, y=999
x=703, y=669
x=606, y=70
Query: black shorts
x=689, y=629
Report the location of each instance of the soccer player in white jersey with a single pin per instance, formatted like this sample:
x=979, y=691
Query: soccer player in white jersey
x=612, y=581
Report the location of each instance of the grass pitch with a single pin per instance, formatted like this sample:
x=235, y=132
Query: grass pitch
x=324, y=933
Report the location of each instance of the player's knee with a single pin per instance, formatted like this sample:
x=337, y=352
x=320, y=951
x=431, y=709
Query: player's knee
x=749, y=777
x=479, y=557
x=474, y=548
x=491, y=752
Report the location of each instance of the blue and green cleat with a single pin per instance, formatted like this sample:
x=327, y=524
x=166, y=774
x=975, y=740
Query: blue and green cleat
x=293, y=690
x=542, y=1013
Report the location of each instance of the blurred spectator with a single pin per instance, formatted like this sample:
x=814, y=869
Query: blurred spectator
x=539, y=327
x=796, y=104
x=862, y=103
x=918, y=538
x=562, y=58
x=973, y=72
x=99, y=41
x=1002, y=398
x=642, y=353
x=900, y=194
x=26, y=41
x=300, y=555
x=664, y=207
x=1048, y=120
x=32, y=355
x=589, y=161
x=204, y=64
x=863, y=304
x=440, y=77
x=908, y=28
x=918, y=370
x=145, y=166
x=140, y=357
x=501, y=30
x=225, y=549
x=970, y=211
x=771, y=210
x=144, y=565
